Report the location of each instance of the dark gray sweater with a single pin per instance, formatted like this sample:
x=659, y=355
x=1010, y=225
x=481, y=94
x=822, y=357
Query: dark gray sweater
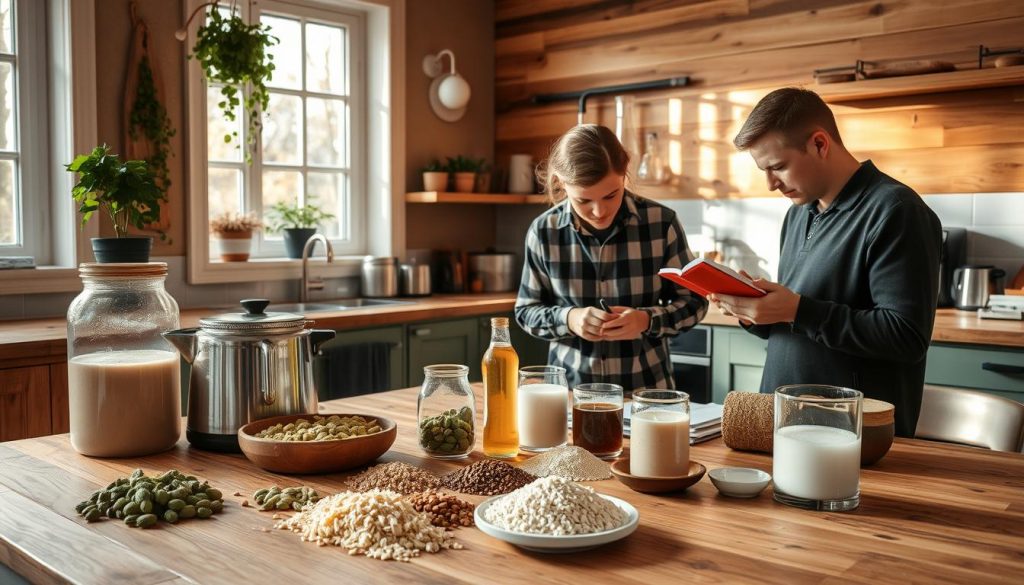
x=867, y=272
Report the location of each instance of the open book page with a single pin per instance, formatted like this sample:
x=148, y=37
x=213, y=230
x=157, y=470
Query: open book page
x=706, y=276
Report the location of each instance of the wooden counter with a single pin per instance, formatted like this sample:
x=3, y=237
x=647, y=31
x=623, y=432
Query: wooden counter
x=929, y=513
x=951, y=326
x=28, y=339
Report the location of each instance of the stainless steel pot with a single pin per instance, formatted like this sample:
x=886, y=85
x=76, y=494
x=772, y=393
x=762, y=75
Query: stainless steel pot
x=380, y=276
x=492, y=272
x=245, y=367
x=414, y=280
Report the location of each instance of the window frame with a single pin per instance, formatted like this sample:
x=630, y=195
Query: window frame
x=383, y=206
x=69, y=67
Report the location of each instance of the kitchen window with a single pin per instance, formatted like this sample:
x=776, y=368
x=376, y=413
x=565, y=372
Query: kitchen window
x=334, y=130
x=24, y=228
x=311, y=144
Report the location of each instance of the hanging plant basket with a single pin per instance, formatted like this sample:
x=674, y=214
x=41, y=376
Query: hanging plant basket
x=234, y=54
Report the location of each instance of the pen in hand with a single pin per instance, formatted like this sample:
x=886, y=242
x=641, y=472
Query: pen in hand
x=604, y=306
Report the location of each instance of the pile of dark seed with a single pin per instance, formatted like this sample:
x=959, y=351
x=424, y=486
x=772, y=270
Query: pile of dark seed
x=395, y=476
x=487, y=478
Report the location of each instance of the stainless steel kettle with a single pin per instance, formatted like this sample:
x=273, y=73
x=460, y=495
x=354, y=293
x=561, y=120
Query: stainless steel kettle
x=972, y=286
x=245, y=367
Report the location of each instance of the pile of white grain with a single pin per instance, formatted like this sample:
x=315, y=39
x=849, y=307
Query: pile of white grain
x=380, y=524
x=557, y=506
x=568, y=461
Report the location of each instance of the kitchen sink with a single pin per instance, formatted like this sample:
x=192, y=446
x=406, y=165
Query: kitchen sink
x=330, y=306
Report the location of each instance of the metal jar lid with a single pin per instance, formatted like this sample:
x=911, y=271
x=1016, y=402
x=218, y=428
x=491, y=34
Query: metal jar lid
x=254, y=320
x=380, y=260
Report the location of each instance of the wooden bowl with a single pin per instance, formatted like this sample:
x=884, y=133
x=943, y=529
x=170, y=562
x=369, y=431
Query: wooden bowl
x=306, y=457
x=656, y=485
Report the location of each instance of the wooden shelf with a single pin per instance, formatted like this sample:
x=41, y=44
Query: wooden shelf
x=478, y=198
x=920, y=84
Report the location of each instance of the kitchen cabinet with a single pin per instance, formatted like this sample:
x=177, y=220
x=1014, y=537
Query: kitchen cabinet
x=443, y=342
x=737, y=360
x=25, y=402
x=998, y=371
x=392, y=336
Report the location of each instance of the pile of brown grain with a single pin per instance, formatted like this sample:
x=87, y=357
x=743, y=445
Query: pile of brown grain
x=394, y=476
x=487, y=478
x=445, y=510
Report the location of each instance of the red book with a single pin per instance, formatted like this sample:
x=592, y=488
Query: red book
x=705, y=277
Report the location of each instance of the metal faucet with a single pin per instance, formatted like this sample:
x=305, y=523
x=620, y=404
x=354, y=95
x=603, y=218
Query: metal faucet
x=317, y=283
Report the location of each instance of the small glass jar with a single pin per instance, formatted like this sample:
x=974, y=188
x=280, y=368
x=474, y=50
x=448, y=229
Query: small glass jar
x=659, y=434
x=597, y=418
x=816, y=452
x=445, y=411
x=543, y=397
x=124, y=388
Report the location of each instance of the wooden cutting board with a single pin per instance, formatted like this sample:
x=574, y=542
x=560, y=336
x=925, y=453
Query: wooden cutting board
x=140, y=147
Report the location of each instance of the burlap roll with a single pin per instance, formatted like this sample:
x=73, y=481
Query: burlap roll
x=748, y=421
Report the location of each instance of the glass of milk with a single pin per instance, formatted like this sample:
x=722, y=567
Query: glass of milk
x=659, y=436
x=543, y=408
x=816, y=456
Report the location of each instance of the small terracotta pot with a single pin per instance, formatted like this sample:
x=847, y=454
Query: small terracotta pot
x=234, y=246
x=464, y=182
x=435, y=181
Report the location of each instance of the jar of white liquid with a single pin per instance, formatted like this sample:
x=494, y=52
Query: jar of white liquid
x=659, y=436
x=816, y=455
x=124, y=383
x=543, y=408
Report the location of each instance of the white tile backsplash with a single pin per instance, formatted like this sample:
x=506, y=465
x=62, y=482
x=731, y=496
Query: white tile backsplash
x=1005, y=209
x=953, y=210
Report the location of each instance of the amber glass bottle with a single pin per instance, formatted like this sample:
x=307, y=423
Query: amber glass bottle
x=500, y=369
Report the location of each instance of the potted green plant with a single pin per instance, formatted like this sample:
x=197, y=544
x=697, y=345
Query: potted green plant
x=435, y=177
x=297, y=222
x=234, y=54
x=127, y=191
x=464, y=169
x=234, y=234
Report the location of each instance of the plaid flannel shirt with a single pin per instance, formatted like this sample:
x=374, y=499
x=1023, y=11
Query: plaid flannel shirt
x=566, y=266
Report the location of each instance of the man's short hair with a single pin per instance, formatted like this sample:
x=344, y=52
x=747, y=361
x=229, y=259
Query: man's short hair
x=795, y=113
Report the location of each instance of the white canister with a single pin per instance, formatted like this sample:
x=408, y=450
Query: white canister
x=520, y=174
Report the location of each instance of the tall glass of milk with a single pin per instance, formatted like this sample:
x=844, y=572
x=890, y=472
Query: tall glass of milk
x=543, y=408
x=816, y=457
x=659, y=436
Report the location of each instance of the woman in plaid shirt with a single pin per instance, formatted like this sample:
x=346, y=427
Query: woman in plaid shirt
x=600, y=245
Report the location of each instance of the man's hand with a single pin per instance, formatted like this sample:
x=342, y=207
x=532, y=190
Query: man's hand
x=628, y=324
x=778, y=306
x=586, y=322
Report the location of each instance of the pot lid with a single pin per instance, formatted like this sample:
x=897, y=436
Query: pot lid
x=254, y=319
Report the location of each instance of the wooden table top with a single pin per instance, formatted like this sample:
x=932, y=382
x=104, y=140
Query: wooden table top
x=929, y=512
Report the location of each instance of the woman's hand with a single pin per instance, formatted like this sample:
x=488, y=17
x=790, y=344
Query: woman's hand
x=586, y=322
x=627, y=324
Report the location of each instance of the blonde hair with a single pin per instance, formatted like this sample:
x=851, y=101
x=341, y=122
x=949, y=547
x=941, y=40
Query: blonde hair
x=582, y=156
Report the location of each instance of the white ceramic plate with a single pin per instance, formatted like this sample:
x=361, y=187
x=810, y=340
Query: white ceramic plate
x=559, y=544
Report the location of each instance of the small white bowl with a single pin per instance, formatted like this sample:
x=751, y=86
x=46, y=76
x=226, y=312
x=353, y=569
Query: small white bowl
x=739, y=482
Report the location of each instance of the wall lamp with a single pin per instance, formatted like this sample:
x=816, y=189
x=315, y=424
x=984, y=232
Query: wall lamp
x=449, y=92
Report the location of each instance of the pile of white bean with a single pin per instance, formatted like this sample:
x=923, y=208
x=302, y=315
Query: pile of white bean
x=554, y=505
x=379, y=524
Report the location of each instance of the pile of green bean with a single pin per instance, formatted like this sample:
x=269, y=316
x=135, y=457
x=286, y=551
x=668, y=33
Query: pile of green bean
x=142, y=501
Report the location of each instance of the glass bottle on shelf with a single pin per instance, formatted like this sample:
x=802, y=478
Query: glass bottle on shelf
x=124, y=388
x=445, y=412
x=500, y=366
x=652, y=168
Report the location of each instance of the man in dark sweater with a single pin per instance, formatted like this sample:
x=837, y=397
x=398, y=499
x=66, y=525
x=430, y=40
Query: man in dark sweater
x=858, y=268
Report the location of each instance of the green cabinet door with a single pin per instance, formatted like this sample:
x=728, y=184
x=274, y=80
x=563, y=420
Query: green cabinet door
x=393, y=336
x=443, y=342
x=991, y=369
x=737, y=361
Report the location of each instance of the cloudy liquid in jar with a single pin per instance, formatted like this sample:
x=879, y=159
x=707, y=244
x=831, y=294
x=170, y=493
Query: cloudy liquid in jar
x=124, y=403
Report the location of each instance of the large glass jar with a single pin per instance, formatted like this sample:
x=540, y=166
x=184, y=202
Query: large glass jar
x=124, y=388
x=445, y=411
x=659, y=436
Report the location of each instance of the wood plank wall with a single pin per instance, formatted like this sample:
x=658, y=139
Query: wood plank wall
x=738, y=50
